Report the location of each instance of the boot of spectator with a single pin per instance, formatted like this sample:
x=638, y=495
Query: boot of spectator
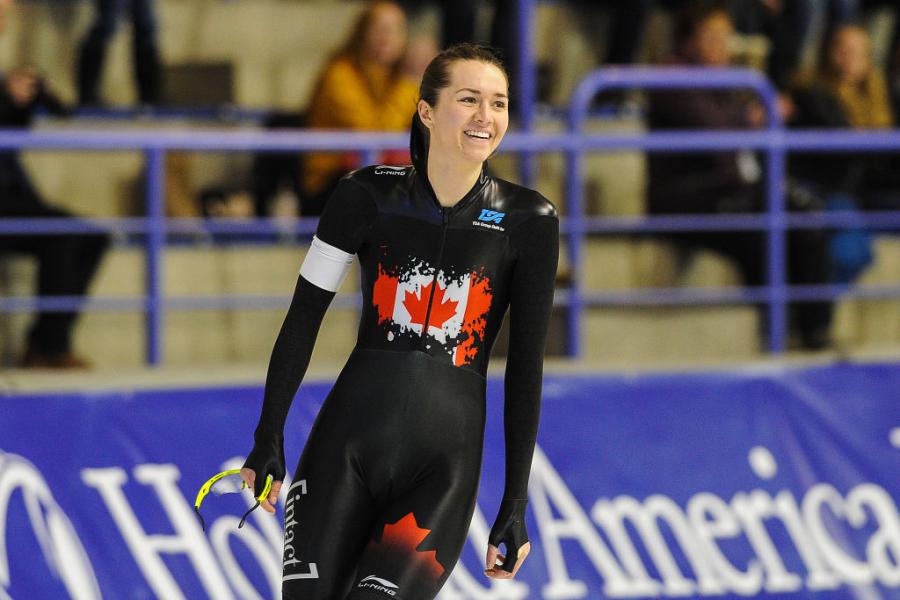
x=36, y=359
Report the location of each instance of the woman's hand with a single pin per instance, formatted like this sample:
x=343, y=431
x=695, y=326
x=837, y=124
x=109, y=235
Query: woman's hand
x=266, y=458
x=509, y=530
x=494, y=563
x=268, y=505
x=22, y=85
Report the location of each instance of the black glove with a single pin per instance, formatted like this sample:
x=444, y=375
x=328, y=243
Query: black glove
x=509, y=529
x=266, y=458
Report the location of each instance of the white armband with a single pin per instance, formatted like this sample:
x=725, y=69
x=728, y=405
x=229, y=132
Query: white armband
x=325, y=266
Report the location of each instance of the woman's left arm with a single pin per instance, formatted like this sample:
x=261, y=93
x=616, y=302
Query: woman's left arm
x=531, y=300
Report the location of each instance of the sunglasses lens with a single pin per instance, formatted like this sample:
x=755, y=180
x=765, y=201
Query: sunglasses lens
x=224, y=484
x=230, y=484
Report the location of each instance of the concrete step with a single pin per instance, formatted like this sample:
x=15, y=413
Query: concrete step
x=629, y=334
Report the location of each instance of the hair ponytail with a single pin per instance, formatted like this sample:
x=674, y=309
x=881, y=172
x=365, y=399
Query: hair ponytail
x=418, y=144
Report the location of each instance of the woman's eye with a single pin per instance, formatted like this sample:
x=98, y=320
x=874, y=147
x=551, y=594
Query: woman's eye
x=499, y=104
x=468, y=99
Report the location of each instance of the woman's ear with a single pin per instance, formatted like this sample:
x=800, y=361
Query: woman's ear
x=424, y=110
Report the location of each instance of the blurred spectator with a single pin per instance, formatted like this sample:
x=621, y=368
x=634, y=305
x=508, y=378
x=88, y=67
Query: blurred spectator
x=145, y=53
x=894, y=75
x=460, y=19
x=628, y=20
x=419, y=52
x=834, y=14
x=362, y=87
x=847, y=90
x=726, y=181
x=460, y=22
x=786, y=23
x=66, y=263
x=276, y=175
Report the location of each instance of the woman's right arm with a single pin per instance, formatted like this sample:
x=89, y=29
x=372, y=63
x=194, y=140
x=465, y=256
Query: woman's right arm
x=342, y=229
x=287, y=366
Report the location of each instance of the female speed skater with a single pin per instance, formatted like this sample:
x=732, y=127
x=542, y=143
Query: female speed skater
x=384, y=491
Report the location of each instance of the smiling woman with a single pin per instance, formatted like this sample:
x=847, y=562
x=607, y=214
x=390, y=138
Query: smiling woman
x=465, y=122
x=385, y=488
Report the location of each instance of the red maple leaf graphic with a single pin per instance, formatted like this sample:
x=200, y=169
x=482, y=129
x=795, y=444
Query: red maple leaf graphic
x=405, y=536
x=441, y=311
x=383, y=293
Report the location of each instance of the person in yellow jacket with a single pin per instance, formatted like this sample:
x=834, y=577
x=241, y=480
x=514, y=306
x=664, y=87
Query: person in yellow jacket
x=848, y=88
x=363, y=88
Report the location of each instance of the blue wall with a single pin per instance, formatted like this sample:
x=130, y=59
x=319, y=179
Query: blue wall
x=760, y=483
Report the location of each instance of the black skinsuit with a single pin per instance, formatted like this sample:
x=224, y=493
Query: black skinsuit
x=384, y=492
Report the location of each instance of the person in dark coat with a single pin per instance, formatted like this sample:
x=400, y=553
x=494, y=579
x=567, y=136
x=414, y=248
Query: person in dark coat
x=66, y=263
x=726, y=181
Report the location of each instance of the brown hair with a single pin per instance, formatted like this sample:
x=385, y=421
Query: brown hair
x=354, y=47
x=825, y=68
x=694, y=14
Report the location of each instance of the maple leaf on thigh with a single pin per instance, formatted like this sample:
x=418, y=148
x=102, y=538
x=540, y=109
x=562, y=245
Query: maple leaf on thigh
x=403, y=538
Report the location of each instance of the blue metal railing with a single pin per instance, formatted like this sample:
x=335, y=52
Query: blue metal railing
x=669, y=78
x=526, y=95
x=575, y=226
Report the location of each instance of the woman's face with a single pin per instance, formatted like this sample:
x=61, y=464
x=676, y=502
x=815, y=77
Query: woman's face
x=385, y=37
x=471, y=115
x=850, y=55
x=710, y=45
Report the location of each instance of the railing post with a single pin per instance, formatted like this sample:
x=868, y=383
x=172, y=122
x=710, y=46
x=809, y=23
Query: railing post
x=369, y=157
x=696, y=78
x=574, y=240
x=776, y=255
x=575, y=237
x=527, y=93
x=155, y=247
x=777, y=222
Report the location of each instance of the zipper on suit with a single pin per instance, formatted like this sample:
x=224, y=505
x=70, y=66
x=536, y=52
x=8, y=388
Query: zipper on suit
x=445, y=217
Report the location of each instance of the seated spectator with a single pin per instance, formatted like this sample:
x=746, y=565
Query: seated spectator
x=275, y=176
x=837, y=13
x=362, y=88
x=726, y=181
x=847, y=91
x=66, y=263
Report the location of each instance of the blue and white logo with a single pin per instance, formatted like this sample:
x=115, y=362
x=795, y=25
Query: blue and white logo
x=491, y=216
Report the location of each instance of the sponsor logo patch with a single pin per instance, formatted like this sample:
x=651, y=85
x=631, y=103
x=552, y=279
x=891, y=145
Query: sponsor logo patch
x=386, y=170
x=490, y=219
x=379, y=585
x=491, y=216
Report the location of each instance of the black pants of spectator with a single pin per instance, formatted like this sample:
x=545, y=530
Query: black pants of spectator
x=273, y=170
x=66, y=265
x=460, y=18
x=787, y=31
x=145, y=52
x=459, y=23
x=807, y=254
x=627, y=21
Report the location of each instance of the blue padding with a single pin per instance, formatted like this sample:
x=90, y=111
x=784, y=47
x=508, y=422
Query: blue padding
x=771, y=483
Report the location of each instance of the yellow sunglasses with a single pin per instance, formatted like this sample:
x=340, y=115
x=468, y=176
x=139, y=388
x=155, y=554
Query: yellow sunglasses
x=228, y=482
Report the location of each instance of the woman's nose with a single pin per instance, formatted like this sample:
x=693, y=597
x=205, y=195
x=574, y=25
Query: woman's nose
x=483, y=114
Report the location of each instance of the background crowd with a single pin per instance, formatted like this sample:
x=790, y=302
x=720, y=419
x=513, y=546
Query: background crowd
x=819, y=53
